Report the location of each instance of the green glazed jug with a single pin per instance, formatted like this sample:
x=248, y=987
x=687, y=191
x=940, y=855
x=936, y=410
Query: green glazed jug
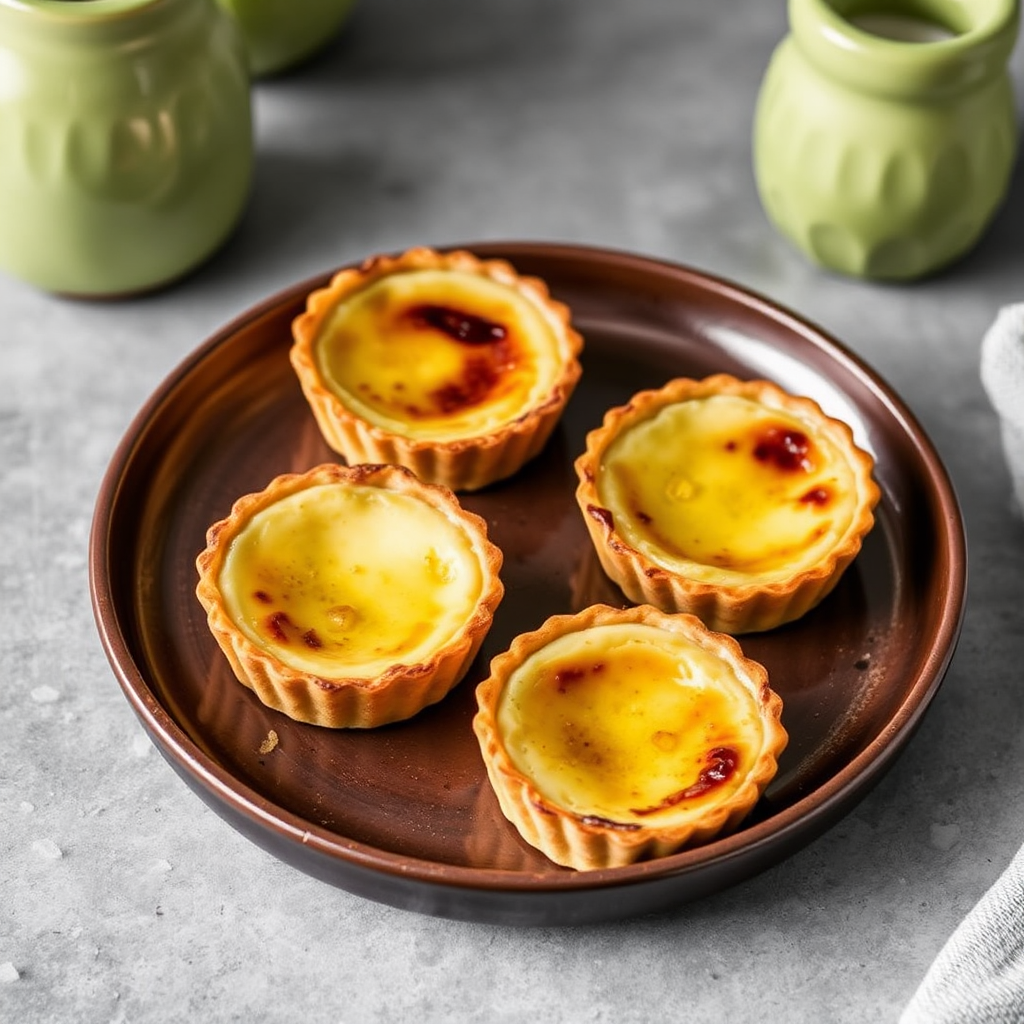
x=885, y=133
x=126, y=147
x=280, y=34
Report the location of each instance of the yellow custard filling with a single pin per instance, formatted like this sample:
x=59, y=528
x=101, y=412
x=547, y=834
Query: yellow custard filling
x=346, y=581
x=438, y=354
x=628, y=724
x=726, y=490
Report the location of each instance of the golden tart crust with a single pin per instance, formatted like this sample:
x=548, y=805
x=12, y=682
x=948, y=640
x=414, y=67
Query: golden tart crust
x=730, y=500
x=455, y=367
x=618, y=735
x=349, y=597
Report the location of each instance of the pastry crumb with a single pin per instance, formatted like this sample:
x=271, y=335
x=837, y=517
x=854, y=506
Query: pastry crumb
x=47, y=849
x=269, y=743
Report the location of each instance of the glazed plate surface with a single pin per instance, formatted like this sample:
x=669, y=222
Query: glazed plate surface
x=404, y=814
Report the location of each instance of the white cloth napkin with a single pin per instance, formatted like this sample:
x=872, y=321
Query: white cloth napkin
x=978, y=976
x=1002, y=374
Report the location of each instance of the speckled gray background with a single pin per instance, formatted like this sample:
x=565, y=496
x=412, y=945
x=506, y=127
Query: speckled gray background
x=123, y=899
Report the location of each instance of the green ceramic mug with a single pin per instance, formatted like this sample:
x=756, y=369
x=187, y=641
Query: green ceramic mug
x=885, y=133
x=125, y=140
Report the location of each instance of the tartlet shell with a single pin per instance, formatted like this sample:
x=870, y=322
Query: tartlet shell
x=347, y=702
x=741, y=608
x=588, y=844
x=464, y=464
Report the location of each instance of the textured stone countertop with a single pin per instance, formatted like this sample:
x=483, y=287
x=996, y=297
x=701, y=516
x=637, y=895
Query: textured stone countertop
x=123, y=898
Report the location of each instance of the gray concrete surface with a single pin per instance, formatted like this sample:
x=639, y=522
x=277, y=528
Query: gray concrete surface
x=123, y=899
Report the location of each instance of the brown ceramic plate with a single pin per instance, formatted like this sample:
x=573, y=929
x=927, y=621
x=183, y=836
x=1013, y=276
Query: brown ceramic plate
x=404, y=814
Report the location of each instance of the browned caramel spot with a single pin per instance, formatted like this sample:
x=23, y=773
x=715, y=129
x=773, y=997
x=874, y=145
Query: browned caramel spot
x=491, y=353
x=480, y=376
x=458, y=324
x=568, y=674
x=786, y=449
x=277, y=626
x=281, y=629
x=816, y=496
x=565, y=676
x=263, y=597
x=722, y=762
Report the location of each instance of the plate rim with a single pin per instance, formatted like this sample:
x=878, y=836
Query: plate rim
x=818, y=807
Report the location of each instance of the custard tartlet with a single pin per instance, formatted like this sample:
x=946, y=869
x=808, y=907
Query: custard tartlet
x=618, y=735
x=455, y=367
x=730, y=500
x=349, y=597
